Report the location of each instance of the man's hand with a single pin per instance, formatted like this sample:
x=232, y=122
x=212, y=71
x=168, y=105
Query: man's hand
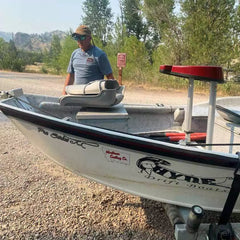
x=110, y=76
x=69, y=81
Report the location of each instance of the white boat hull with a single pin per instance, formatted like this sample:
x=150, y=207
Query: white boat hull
x=153, y=176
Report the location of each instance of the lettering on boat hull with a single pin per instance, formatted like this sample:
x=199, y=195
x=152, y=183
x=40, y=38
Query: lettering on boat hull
x=116, y=156
x=162, y=171
x=64, y=138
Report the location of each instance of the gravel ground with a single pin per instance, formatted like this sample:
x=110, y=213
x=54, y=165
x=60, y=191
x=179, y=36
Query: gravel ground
x=41, y=200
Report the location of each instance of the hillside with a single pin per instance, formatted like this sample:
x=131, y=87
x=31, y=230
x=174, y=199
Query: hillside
x=32, y=42
x=7, y=36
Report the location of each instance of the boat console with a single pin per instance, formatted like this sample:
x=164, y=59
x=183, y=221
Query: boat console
x=115, y=117
x=212, y=74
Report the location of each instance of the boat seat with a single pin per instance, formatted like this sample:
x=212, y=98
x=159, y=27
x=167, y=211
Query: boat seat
x=202, y=73
x=97, y=94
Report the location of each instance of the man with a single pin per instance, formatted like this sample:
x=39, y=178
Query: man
x=88, y=62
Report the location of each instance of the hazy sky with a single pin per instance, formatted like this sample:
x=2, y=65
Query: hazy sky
x=39, y=16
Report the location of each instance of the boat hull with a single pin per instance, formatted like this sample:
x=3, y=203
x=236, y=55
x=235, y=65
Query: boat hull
x=121, y=162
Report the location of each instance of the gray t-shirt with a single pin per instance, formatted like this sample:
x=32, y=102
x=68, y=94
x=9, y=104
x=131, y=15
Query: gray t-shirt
x=89, y=66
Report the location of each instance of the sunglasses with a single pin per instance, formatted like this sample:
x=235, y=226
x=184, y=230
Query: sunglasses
x=78, y=37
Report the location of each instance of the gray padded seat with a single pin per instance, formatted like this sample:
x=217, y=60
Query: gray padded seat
x=99, y=93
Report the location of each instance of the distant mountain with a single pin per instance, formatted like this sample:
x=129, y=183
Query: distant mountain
x=7, y=36
x=32, y=42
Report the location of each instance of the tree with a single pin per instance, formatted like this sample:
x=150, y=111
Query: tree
x=54, y=53
x=120, y=21
x=3, y=54
x=10, y=58
x=207, y=29
x=98, y=17
x=160, y=12
x=235, y=53
x=165, y=27
x=119, y=34
x=137, y=67
x=69, y=45
x=133, y=18
x=13, y=59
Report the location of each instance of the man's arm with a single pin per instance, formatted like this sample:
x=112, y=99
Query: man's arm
x=69, y=81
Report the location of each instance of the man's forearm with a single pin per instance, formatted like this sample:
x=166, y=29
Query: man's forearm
x=69, y=81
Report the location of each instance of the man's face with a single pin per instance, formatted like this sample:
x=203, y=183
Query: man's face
x=84, y=42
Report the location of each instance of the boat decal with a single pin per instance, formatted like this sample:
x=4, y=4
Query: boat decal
x=116, y=156
x=159, y=170
x=65, y=138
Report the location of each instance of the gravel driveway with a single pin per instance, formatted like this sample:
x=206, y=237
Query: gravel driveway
x=41, y=200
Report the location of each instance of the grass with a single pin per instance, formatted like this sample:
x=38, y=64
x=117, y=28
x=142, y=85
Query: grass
x=174, y=83
x=39, y=68
x=161, y=81
x=34, y=68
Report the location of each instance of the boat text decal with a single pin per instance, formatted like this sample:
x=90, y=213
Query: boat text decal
x=158, y=170
x=65, y=138
x=116, y=156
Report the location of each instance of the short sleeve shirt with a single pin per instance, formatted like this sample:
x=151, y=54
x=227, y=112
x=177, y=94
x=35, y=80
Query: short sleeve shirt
x=89, y=66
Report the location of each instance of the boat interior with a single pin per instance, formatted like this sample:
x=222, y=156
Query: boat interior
x=144, y=120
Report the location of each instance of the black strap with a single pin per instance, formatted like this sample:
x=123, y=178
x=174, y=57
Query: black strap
x=232, y=197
